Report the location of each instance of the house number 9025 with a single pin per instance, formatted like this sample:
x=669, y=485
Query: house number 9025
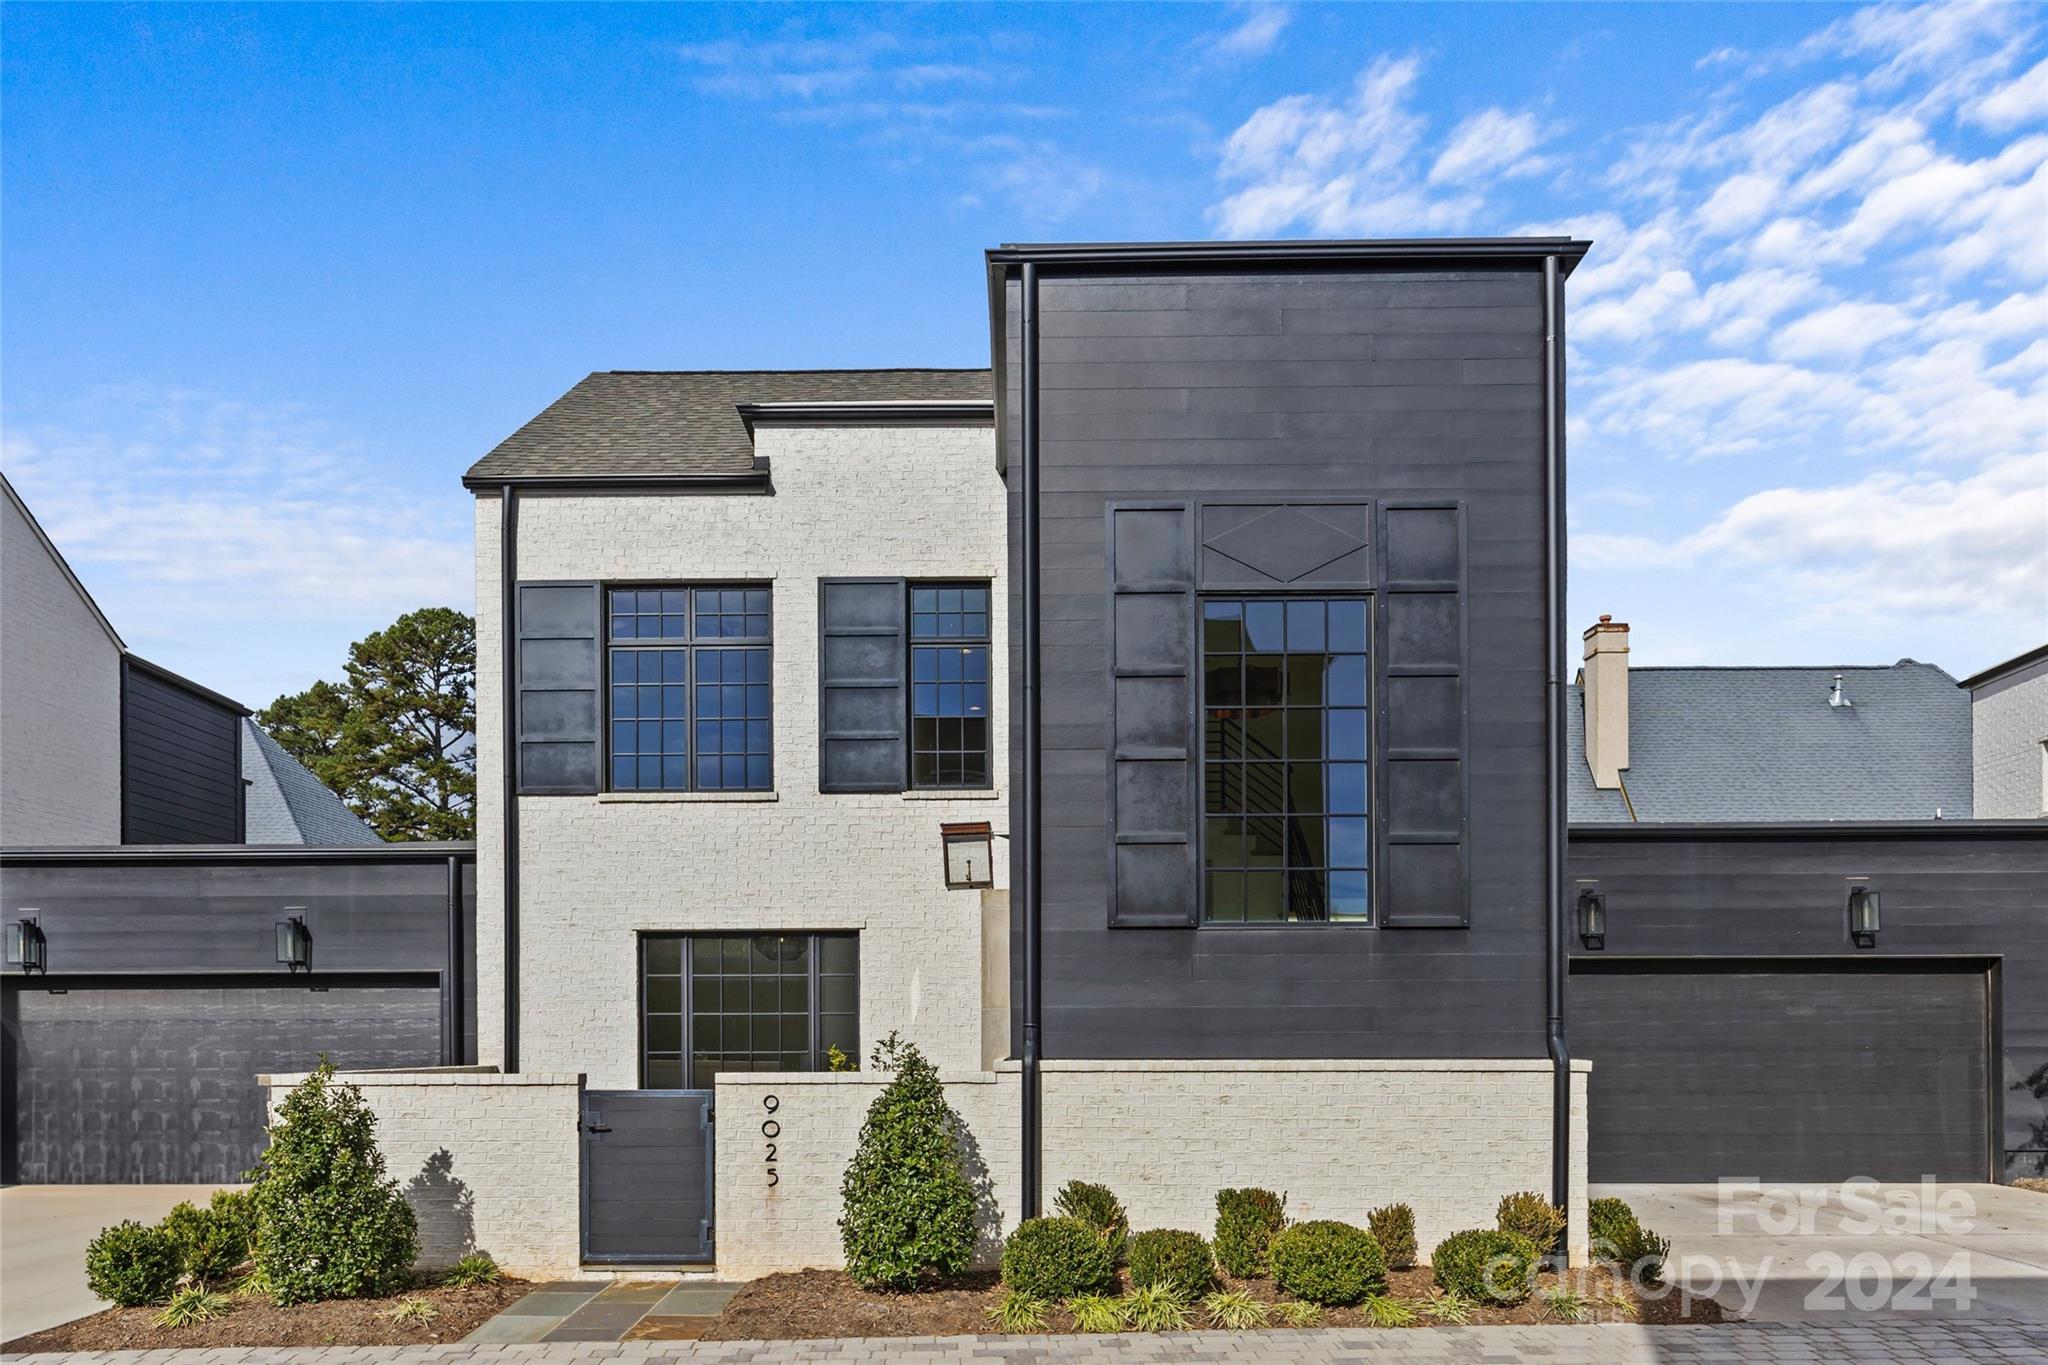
x=771, y=1129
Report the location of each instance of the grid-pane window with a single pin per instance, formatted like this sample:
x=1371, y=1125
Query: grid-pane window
x=690, y=693
x=1284, y=761
x=753, y=1002
x=949, y=701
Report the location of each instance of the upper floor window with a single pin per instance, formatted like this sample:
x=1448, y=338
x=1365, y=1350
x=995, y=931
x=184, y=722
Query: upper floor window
x=949, y=679
x=690, y=695
x=1284, y=761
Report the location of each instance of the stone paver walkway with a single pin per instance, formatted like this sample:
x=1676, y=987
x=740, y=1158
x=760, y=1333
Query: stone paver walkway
x=1892, y=1342
x=604, y=1311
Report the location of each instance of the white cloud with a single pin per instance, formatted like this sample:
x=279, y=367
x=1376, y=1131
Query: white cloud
x=1255, y=34
x=2023, y=100
x=1842, y=331
x=1491, y=142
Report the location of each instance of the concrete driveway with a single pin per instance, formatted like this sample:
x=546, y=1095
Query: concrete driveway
x=1786, y=1253
x=43, y=1232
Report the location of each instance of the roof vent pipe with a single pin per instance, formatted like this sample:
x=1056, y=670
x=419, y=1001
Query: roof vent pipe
x=1835, y=697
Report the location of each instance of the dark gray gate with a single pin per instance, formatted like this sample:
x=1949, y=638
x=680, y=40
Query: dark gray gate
x=647, y=1176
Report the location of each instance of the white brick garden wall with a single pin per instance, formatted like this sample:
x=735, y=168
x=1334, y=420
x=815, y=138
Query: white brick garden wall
x=2007, y=730
x=595, y=872
x=488, y=1162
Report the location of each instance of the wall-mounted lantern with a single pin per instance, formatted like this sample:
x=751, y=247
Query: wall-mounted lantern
x=1591, y=913
x=1864, y=919
x=26, y=946
x=970, y=855
x=295, y=942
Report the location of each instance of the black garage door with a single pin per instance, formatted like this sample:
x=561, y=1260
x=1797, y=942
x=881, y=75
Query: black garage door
x=1788, y=1075
x=155, y=1083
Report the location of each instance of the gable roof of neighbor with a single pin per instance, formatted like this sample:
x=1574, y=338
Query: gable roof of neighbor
x=1762, y=745
x=662, y=423
x=63, y=565
x=286, y=804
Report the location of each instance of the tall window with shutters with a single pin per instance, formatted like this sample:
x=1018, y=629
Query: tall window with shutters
x=949, y=699
x=690, y=689
x=1285, y=761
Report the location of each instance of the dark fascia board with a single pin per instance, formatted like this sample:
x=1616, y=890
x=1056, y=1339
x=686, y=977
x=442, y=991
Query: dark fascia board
x=1527, y=249
x=184, y=684
x=894, y=412
x=1821, y=829
x=2019, y=663
x=755, y=480
x=107, y=855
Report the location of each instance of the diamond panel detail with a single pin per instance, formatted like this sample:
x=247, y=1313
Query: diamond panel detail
x=1285, y=543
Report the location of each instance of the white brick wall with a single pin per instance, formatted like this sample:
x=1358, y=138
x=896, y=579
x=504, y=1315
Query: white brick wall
x=60, y=680
x=2007, y=730
x=1448, y=1138
x=596, y=871
x=488, y=1162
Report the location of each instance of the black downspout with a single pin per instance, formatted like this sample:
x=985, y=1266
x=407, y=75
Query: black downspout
x=1033, y=859
x=508, y=648
x=451, y=971
x=1554, y=862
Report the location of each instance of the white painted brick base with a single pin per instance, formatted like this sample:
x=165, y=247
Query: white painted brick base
x=488, y=1162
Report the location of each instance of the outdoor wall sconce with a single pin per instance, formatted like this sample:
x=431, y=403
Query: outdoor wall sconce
x=294, y=943
x=1863, y=914
x=1592, y=917
x=970, y=855
x=26, y=946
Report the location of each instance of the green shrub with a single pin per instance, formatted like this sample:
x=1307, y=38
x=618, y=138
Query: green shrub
x=1328, y=1263
x=1485, y=1265
x=1057, y=1258
x=1642, y=1253
x=130, y=1265
x=1157, y=1308
x=213, y=1242
x=908, y=1206
x=1015, y=1312
x=1531, y=1215
x=1609, y=1224
x=1180, y=1260
x=1393, y=1227
x=474, y=1269
x=329, y=1223
x=1246, y=1221
x=193, y=1303
x=1098, y=1208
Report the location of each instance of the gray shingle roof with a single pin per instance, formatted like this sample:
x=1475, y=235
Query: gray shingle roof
x=662, y=422
x=1763, y=745
x=285, y=804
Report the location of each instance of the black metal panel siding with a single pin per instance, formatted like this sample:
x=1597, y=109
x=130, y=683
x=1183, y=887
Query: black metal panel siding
x=1269, y=386
x=153, y=1083
x=181, y=764
x=1975, y=897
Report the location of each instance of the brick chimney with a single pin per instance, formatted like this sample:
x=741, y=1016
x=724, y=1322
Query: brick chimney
x=1606, y=693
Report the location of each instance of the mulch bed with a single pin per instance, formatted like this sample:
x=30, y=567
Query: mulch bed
x=259, y=1322
x=2032, y=1182
x=813, y=1304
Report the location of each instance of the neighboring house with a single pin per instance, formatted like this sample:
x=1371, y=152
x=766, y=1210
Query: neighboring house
x=100, y=746
x=1763, y=745
x=2009, y=737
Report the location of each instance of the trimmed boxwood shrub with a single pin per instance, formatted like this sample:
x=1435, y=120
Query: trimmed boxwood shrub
x=1328, y=1263
x=1393, y=1227
x=1096, y=1206
x=1533, y=1216
x=1246, y=1221
x=329, y=1223
x=213, y=1242
x=908, y=1206
x=1057, y=1258
x=1485, y=1265
x=130, y=1265
x=1610, y=1224
x=1178, y=1260
x=1642, y=1253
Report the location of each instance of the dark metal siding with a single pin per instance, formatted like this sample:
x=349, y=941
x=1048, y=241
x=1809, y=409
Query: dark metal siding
x=1784, y=1074
x=181, y=764
x=1269, y=387
x=154, y=1082
x=1973, y=897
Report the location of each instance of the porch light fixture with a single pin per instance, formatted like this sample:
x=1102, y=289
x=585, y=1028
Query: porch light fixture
x=1592, y=917
x=1863, y=914
x=26, y=946
x=970, y=855
x=295, y=943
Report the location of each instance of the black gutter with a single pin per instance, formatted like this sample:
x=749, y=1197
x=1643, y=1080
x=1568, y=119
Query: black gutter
x=753, y=480
x=889, y=413
x=1890, y=830
x=1566, y=251
x=508, y=651
x=1554, y=723
x=1029, y=635
x=235, y=853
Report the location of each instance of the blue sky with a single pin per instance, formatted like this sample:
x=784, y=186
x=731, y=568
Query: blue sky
x=273, y=277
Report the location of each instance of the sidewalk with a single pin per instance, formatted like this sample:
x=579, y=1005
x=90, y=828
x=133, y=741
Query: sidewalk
x=1890, y=1343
